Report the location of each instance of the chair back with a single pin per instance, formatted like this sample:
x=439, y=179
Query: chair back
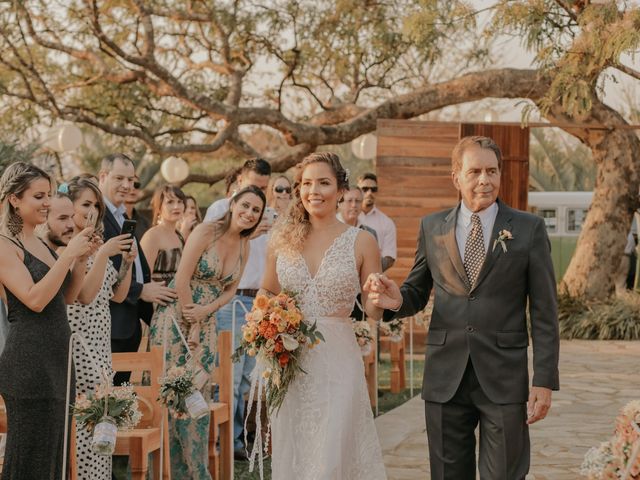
x=137, y=363
x=222, y=373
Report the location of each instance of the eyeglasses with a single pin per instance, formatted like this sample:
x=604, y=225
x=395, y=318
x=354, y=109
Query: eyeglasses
x=280, y=189
x=369, y=189
x=137, y=185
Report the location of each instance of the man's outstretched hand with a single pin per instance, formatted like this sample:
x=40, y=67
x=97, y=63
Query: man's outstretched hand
x=383, y=292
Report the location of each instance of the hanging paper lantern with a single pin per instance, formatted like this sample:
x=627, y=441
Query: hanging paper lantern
x=364, y=147
x=174, y=169
x=63, y=138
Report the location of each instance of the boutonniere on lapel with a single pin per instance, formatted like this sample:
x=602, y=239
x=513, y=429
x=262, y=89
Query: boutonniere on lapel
x=503, y=236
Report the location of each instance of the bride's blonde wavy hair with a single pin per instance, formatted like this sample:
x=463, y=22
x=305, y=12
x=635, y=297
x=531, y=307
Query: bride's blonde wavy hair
x=290, y=231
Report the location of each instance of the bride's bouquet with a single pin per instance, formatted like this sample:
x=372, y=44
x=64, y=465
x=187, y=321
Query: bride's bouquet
x=275, y=333
x=619, y=457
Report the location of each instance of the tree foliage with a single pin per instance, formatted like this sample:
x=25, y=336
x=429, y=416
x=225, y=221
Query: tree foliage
x=195, y=77
x=558, y=163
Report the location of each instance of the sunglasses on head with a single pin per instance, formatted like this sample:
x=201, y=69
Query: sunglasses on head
x=137, y=185
x=280, y=189
x=369, y=189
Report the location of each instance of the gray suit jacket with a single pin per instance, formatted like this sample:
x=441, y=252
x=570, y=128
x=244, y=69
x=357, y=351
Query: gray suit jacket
x=489, y=322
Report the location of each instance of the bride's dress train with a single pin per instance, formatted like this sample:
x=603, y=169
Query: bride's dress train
x=324, y=429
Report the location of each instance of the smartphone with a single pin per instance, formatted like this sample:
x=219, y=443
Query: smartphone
x=90, y=219
x=128, y=227
x=270, y=216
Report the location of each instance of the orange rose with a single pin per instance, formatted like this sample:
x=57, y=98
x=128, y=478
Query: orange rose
x=283, y=359
x=279, y=347
x=262, y=328
x=261, y=302
x=272, y=331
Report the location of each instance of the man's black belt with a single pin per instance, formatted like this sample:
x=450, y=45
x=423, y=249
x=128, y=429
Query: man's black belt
x=247, y=292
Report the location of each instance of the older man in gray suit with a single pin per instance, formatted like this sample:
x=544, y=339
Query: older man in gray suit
x=488, y=264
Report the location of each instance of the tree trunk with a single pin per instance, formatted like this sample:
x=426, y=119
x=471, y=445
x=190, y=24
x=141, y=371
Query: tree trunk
x=601, y=243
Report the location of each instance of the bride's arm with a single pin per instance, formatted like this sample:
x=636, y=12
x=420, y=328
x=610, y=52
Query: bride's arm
x=368, y=255
x=270, y=283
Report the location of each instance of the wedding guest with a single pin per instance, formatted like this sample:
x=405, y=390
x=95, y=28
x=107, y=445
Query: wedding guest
x=279, y=194
x=211, y=267
x=133, y=197
x=163, y=243
x=231, y=182
x=372, y=217
x=117, y=176
x=190, y=218
x=90, y=316
x=33, y=366
x=59, y=228
x=254, y=172
x=350, y=207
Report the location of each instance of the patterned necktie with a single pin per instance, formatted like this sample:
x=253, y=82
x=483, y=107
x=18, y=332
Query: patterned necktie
x=474, y=250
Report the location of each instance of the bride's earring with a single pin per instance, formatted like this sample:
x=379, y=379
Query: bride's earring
x=14, y=222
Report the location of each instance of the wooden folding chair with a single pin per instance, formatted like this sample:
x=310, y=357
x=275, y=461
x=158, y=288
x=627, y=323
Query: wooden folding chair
x=221, y=425
x=145, y=438
x=397, y=354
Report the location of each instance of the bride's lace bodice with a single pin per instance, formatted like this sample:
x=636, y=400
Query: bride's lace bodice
x=332, y=292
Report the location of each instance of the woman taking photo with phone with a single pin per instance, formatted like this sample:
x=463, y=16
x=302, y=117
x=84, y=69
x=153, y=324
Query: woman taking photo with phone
x=33, y=365
x=90, y=316
x=207, y=278
x=162, y=244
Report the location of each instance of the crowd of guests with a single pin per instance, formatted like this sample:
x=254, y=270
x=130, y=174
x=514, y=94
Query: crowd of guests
x=68, y=267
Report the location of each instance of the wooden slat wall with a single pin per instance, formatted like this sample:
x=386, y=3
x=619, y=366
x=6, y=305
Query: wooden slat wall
x=413, y=165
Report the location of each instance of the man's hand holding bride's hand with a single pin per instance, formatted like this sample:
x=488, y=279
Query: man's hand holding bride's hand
x=383, y=292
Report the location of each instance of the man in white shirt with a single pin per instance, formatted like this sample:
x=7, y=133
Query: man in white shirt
x=254, y=172
x=373, y=218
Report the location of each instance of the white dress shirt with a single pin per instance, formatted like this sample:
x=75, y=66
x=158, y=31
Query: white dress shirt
x=256, y=263
x=463, y=225
x=118, y=213
x=384, y=228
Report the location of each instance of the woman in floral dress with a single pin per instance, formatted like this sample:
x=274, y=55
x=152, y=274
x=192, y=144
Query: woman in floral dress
x=210, y=269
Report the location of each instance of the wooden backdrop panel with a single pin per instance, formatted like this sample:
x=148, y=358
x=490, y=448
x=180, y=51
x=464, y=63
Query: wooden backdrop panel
x=413, y=165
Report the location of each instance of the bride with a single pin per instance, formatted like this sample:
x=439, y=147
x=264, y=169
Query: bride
x=324, y=429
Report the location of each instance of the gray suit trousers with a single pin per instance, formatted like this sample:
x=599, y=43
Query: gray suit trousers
x=504, y=435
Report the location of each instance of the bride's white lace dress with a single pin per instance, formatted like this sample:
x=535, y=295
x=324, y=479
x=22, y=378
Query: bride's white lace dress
x=324, y=429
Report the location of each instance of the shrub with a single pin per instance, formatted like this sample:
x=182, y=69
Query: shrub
x=614, y=319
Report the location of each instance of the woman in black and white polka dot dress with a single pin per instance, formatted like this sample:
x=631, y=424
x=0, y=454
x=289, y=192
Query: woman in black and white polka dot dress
x=90, y=316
